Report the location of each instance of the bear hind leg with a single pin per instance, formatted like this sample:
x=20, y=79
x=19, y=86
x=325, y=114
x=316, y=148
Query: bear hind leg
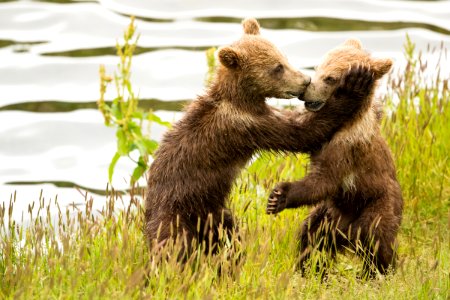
x=318, y=233
x=374, y=238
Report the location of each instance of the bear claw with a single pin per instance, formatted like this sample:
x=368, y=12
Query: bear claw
x=276, y=201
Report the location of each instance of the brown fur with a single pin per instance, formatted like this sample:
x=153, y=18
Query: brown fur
x=352, y=177
x=199, y=158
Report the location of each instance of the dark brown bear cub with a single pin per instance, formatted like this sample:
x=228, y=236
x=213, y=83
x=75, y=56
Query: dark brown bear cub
x=352, y=176
x=199, y=158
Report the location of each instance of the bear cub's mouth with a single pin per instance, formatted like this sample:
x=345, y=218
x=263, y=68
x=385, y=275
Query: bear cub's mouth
x=313, y=105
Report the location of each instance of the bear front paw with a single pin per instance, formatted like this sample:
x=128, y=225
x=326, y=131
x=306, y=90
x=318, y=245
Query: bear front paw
x=277, y=199
x=356, y=82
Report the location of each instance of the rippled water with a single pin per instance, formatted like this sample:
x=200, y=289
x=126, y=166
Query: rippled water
x=51, y=135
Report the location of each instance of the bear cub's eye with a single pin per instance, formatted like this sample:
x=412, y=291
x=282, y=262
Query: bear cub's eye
x=330, y=80
x=279, y=69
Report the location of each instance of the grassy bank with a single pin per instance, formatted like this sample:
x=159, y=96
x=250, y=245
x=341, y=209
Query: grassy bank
x=103, y=255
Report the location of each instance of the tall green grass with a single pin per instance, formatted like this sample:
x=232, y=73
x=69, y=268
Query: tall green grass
x=90, y=255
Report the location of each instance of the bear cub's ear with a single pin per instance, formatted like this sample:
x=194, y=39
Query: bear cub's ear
x=229, y=57
x=381, y=66
x=251, y=26
x=353, y=43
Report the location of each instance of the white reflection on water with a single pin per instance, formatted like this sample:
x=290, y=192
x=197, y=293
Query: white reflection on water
x=69, y=147
x=407, y=11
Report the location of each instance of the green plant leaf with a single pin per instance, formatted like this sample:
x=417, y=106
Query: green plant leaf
x=150, y=145
x=140, y=145
x=116, y=109
x=122, y=143
x=135, y=128
x=154, y=118
x=138, y=114
x=112, y=165
x=139, y=170
x=129, y=89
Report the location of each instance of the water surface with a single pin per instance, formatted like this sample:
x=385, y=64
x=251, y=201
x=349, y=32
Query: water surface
x=52, y=137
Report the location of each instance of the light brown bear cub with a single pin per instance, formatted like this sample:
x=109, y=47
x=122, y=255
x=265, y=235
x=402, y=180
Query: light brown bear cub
x=199, y=158
x=352, y=176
